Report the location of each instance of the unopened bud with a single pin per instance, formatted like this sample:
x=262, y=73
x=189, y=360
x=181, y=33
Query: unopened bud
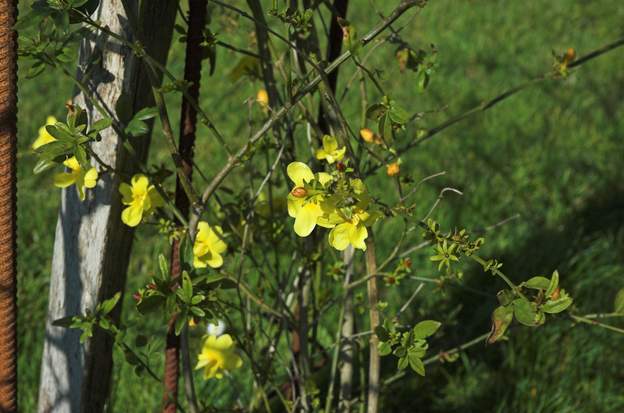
x=569, y=55
x=262, y=97
x=555, y=294
x=151, y=286
x=137, y=296
x=341, y=166
x=393, y=169
x=367, y=135
x=299, y=192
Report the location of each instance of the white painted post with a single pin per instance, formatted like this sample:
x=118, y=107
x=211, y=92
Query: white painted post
x=92, y=246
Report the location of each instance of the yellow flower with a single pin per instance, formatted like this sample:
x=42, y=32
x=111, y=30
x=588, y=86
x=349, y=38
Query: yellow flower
x=393, y=169
x=141, y=198
x=218, y=355
x=262, y=97
x=330, y=151
x=350, y=231
x=44, y=136
x=76, y=176
x=208, y=246
x=305, y=204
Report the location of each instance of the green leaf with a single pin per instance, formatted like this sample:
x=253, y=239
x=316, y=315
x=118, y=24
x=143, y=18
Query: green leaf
x=554, y=283
x=187, y=288
x=64, y=322
x=198, y=312
x=146, y=113
x=501, y=319
x=375, y=111
x=537, y=283
x=558, y=305
x=425, y=329
x=525, y=312
x=384, y=348
x=505, y=297
x=136, y=127
x=416, y=364
x=106, y=306
x=398, y=114
x=102, y=124
x=43, y=165
x=180, y=322
x=618, y=304
x=164, y=266
x=403, y=362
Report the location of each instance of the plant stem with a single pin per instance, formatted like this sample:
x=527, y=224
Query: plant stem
x=374, y=365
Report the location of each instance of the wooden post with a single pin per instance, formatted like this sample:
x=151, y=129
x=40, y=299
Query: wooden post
x=92, y=245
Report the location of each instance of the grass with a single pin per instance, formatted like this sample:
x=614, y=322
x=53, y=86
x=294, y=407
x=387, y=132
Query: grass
x=551, y=154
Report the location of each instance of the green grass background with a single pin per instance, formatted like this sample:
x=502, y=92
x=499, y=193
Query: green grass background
x=552, y=154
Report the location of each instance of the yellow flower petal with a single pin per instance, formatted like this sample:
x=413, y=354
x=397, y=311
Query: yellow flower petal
x=139, y=184
x=294, y=205
x=44, y=136
x=72, y=163
x=306, y=219
x=329, y=143
x=339, y=236
x=64, y=179
x=213, y=259
x=299, y=173
x=357, y=236
x=90, y=178
x=132, y=216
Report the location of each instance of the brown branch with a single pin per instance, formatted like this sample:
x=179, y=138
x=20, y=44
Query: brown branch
x=188, y=119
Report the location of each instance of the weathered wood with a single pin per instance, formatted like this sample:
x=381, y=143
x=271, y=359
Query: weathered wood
x=92, y=245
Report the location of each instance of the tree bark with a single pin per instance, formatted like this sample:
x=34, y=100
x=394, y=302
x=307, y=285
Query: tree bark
x=92, y=245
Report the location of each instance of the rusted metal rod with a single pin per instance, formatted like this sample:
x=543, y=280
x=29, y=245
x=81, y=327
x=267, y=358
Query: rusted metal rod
x=188, y=120
x=8, y=145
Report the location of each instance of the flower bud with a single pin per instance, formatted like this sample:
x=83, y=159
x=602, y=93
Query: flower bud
x=367, y=135
x=555, y=294
x=137, y=296
x=262, y=97
x=340, y=166
x=569, y=55
x=299, y=192
x=393, y=169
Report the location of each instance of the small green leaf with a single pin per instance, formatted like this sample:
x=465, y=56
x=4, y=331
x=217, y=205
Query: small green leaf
x=554, y=283
x=63, y=322
x=425, y=329
x=618, y=304
x=43, y=165
x=102, y=124
x=146, y=113
x=537, y=283
x=106, y=306
x=375, y=111
x=558, y=305
x=180, y=322
x=164, y=266
x=403, y=362
x=187, y=288
x=416, y=364
x=384, y=348
x=525, y=312
x=501, y=319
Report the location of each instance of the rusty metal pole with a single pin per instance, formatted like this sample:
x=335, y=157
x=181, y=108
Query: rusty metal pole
x=188, y=121
x=8, y=145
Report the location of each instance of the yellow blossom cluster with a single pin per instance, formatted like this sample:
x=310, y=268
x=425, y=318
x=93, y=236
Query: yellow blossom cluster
x=331, y=201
